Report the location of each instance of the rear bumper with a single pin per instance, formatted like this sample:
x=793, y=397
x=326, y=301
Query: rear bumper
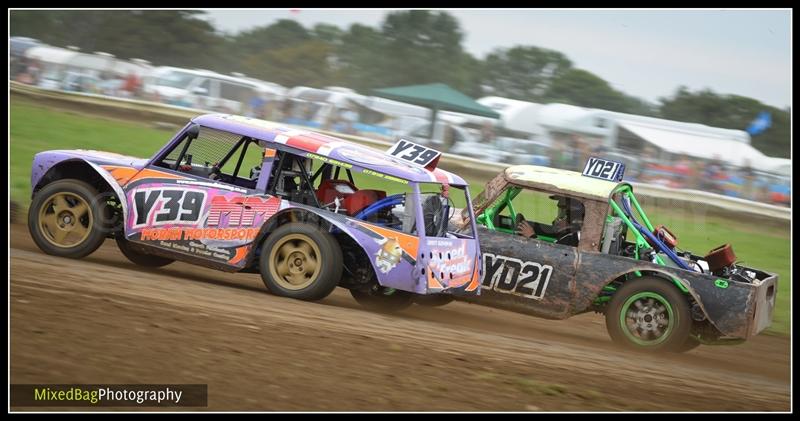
x=764, y=298
x=736, y=309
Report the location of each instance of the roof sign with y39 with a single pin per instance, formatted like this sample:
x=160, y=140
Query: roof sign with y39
x=415, y=154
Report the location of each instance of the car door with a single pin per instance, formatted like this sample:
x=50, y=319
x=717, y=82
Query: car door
x=529, y=275
x=184, y=212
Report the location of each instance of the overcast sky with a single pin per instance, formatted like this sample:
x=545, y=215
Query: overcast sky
x=640, y=52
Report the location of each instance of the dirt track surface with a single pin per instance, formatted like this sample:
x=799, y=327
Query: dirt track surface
x=105, y=320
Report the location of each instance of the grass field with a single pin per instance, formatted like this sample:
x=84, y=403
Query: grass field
x=35, y=129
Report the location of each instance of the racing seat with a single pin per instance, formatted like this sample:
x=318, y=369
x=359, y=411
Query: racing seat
x=353, y=199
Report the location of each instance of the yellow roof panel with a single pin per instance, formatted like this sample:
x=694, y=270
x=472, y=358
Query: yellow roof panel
x=552, y=179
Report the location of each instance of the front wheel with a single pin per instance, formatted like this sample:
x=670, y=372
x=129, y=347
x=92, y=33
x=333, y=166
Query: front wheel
x=649, y=313
x=300, y=261
x=66, y=218
x=383, y=300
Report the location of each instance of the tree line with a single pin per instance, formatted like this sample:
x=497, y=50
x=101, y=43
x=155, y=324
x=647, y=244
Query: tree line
x=409, y=47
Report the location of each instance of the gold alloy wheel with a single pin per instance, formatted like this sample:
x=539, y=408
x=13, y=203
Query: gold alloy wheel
x=295, y=262
x=65, y=219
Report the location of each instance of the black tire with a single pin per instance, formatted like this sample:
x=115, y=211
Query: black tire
x=46, y=217
x=433, y=300
x=639, y=326
x=383, y=300
x=322, y=250
x=141, y=259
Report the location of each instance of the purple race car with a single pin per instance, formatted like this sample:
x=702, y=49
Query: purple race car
x=308, y=212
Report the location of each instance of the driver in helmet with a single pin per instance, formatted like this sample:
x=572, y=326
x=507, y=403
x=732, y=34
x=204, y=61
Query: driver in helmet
x=565, y=227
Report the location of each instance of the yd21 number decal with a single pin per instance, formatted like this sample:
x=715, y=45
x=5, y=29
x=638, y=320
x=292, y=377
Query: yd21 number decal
x=163, y=206
x=513, y=276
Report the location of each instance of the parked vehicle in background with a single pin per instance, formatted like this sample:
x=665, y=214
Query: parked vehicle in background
x=467, y=142
x=445, y=137
x=18, y=45
x=50, y=80
x=207, y=90
x=524, y=151
x=80, y=82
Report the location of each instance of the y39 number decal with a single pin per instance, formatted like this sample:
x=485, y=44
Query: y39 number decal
x=411, y=152
x=513, y=276
x=162, y=206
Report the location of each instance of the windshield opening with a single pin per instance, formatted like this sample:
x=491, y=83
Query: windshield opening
x=442, y=216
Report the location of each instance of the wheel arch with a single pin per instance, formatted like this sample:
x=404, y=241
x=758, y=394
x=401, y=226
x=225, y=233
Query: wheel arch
x=88, y=172
x=300, y=214
x=83, y=170
x=692, y=296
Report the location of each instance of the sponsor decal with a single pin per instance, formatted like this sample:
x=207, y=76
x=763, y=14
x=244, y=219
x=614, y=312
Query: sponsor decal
x=196, y=249
x=120, y=174
x=327, y=160
x=385, y=176
x=186, y=234
x=241, y=253
x=156, y=206
x=388, y=255
x=408, y=243
x=452, y=265
x=241, y=211
x=371, y=158
x=513, y=276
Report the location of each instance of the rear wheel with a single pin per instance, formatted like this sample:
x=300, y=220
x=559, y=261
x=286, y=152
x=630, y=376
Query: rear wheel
x=300, y=261
x=66, y=219
x=141, y=259
x=383, y=300
x=649, y=313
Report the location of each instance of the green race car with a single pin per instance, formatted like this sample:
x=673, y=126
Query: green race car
x=602, y=253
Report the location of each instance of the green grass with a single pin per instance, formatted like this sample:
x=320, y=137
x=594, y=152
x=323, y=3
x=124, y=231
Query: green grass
x=35, y=128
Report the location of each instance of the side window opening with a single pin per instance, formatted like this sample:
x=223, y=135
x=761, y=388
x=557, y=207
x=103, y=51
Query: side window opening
x=552, y=218
x=216, y=155
x=291, y=179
